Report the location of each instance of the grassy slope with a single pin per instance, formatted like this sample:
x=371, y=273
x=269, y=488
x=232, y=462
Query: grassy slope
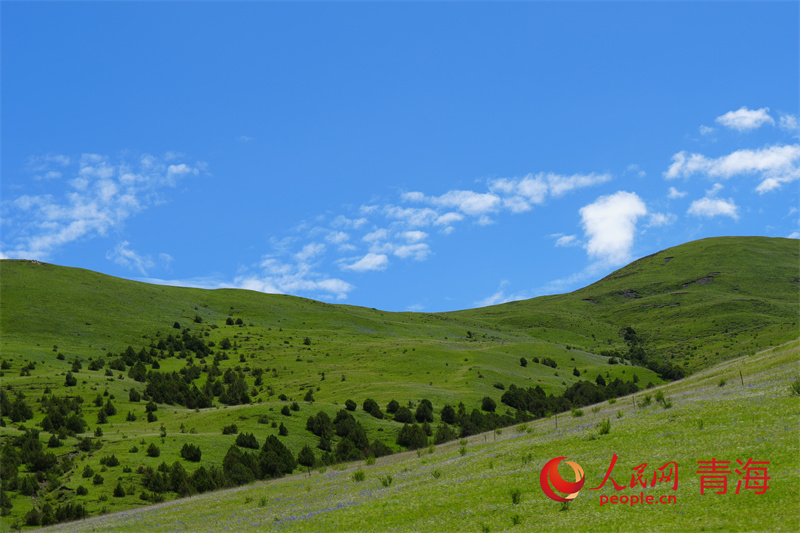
x=699, y=303
x=472, y=491
x=382, y=355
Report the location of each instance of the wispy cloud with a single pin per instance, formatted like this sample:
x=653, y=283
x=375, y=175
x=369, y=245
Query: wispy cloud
x=711, y=207
x=610, y=226
x=501, y=297
x=100, y=193
x=774, y=165
x=565, y=240
x=371, y=261
x=675, y=193
x=123, y=255
x=278, y=277
x=744, y=119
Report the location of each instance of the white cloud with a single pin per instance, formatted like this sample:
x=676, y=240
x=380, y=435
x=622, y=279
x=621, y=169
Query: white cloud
x=661, y=219
x=637, y=170
x=520, y=193
x=469, y=202
x=377, y=235
x=675, y=193
x=337, y=237
x=123, y=255
x=711, y=207
x=500, y=297
x=414, y=236
x=369, y=262
x=610, y=225
x=744, y=119
x=706, y=130
x=284, y=278
x=775, y=165
x=310, y=251
x=414, y=217
x=565, y=240
x=418, y=251
x=794, y=235
x=101, y=196
x=448, y=219
x=788, y=123
x=559, y=185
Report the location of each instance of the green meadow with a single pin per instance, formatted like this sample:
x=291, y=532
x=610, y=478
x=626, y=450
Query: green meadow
x=724, y=311
x=447, y=489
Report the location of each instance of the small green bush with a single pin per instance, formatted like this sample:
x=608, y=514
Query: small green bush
x=794, y=387
x=516, y=495
x=386, y=481
x=604, y=427
x=358, y=475
x=576, y=413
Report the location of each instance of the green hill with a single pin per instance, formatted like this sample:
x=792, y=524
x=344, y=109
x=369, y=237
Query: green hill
x=689, y=307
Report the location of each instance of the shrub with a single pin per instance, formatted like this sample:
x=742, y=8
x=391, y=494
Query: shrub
x=282, y=431
x=81, y=490
x=576, y=412
x=436, y=473
x=71, y=380
x=285, y=411
x=794, y=387
x=403, y=415
x=247, y=440
x=190, y=452
x=386, y=481
x=392, y=407
x=516, y=495
x=488, y=404
x=604, y=427
x=87, y=471
x=230, y=430
x=722, y=382
x=358, y=475
x=97, y=479
x=523, y=361
x=153, y=450
x=350, y=405
x=109, y=460
x=515, y=519
x=119, y=492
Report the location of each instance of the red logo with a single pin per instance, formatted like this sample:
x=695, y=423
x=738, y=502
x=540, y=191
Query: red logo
x=550, y=476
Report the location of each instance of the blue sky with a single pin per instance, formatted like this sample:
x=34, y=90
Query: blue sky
x=404, y=156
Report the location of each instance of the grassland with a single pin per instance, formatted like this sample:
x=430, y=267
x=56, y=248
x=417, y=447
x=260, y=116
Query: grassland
x=448, y=490
x=700, y=305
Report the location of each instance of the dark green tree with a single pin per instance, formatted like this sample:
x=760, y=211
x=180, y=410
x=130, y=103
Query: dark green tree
x=306, y=458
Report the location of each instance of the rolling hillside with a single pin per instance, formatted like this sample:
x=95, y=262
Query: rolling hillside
x=690, y=307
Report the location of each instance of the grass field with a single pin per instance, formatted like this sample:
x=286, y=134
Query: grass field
x=449, y=491
x=708, y=307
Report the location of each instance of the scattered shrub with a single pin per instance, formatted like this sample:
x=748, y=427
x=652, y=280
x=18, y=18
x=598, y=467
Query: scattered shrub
x=358, y=475
x=604, y=427
x=516, y=495
x=190, y=452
